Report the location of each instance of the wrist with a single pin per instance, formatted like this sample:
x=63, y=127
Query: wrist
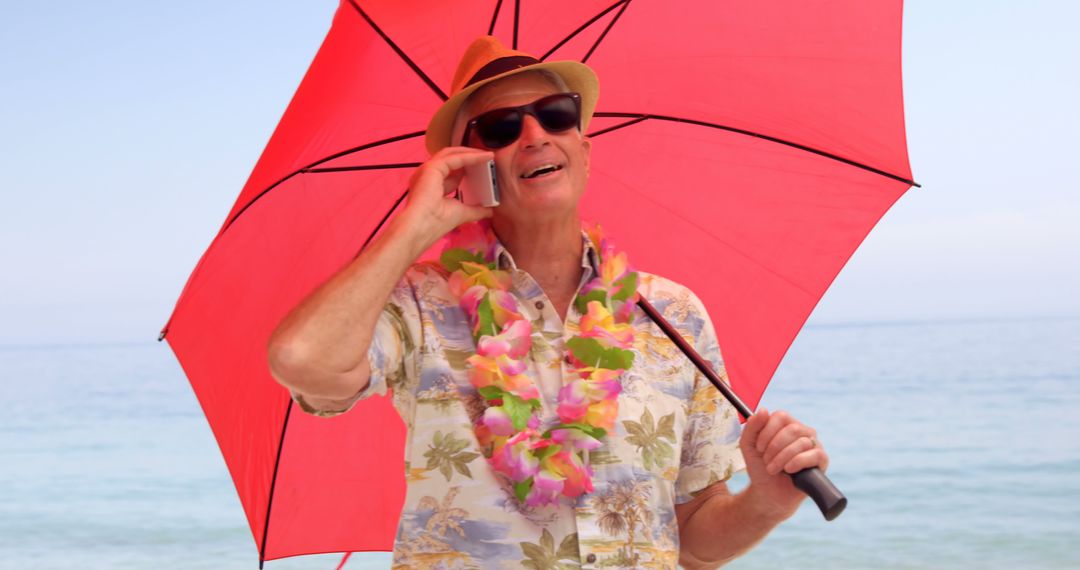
x=763, y=506
x=415, y=233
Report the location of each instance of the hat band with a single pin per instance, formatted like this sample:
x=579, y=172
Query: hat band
x=500, y=66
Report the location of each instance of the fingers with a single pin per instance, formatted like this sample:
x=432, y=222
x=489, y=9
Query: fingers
x=432, y=184
x=476, y=213
x=441, y=164
x=751, y=434
x=787, y=444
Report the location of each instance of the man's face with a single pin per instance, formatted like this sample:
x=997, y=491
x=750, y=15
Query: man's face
x=524, y=196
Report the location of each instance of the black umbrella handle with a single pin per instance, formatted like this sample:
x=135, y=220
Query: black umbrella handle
x=818, y=487
x=810, y=481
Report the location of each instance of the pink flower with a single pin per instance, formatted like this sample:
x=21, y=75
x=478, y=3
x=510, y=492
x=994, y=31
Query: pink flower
x=514, y=341
x=624, y=310
x=546, y=488
x=598, y=323
x=603, y=383
x=571, y=438
x=498, y=421
x=502, y=372
x=602, y=414
x=581, y=399
x=475, y=237
x=504, y=308
x=576, y=476
x=613, y=268
x=515, y=458
x=573, y=401
x=470, y=298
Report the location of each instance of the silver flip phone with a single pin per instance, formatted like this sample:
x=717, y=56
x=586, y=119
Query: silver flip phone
x=480, y=185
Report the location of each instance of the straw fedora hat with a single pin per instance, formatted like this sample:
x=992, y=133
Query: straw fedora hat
x=487, y=60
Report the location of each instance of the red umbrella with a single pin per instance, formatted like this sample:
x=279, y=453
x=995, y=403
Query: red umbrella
x=744, y=149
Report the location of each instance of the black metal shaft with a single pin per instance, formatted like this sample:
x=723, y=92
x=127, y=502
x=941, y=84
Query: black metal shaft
x=811, y=481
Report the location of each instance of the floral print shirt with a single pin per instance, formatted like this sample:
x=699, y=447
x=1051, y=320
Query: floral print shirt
x=674, y=436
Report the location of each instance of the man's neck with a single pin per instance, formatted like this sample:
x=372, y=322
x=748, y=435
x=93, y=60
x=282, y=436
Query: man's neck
x=550, y=253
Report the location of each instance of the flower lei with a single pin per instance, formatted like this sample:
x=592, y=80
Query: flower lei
x=542, y=464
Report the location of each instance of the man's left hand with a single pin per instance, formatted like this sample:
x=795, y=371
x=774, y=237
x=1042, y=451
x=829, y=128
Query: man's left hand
x=774, y=446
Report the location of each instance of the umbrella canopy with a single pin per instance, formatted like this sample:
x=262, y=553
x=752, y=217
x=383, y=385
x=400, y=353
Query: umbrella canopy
x=744, y=149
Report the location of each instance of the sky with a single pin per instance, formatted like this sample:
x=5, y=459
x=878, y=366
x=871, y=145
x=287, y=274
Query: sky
x=130, y=127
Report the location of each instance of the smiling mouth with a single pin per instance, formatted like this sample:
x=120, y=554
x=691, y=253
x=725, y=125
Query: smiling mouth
x=541, y=170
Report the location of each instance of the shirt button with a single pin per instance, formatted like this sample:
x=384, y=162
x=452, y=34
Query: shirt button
x=540, y=305
x=590, y=558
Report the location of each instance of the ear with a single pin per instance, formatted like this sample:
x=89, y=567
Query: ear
x=586, y=148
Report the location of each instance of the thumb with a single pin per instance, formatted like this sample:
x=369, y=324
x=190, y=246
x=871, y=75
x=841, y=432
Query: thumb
x=751, y=431
x=477, y=213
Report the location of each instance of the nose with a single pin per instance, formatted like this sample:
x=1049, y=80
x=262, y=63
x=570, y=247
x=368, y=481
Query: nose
x=532, y=134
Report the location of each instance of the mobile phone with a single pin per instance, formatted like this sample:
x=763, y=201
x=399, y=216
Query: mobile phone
x=480, y=186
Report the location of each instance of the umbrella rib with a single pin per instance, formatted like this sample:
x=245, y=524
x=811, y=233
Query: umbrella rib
x=495, y=17
x=405, y=58
x=273, y=483
x=386, y=166
x=617, y=127
x=581, y=28
x=385, y=217
x=770, y=138
x=365, y=146
x=517, y=13
x=165, y=329
x=605, y=32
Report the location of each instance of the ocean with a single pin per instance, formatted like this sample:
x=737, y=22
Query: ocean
x=957, y=444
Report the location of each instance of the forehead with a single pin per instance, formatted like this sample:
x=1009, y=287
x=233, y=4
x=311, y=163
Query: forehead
x=511, y=91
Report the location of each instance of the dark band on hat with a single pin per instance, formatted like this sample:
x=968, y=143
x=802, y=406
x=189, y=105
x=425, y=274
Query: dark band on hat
x=502, y=65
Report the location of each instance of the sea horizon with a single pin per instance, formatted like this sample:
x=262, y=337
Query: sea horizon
x=954, y=441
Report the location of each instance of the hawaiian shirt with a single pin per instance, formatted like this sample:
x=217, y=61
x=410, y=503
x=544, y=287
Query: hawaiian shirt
x=674, y=435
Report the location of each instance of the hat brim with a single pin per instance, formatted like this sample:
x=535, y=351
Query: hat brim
x=579, y=79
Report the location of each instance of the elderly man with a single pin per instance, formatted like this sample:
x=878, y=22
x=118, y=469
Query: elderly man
x=550, y=424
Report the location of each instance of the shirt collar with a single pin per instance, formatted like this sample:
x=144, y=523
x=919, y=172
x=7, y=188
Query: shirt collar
x=590, y=258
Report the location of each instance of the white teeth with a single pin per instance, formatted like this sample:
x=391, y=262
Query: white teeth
x=540, y=169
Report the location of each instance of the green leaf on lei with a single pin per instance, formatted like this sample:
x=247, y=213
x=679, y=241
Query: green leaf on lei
x=592, y=353
x=627, y=285
x=491, y=392
x=545, y=452
x=521, y=490
x=582, y=301
x=591, y=431
x=519, y=410
x=486, y=319
x=451, y=259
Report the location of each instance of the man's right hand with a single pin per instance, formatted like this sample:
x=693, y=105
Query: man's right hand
x=432, y=210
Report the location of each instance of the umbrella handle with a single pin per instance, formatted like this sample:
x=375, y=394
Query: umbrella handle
x=810, y=481
x=818, y=487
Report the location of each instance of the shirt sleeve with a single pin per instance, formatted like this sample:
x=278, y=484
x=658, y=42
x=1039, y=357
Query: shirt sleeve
x=393, y=354
x=710, y=447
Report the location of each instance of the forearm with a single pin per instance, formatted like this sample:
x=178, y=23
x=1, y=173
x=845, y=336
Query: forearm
x=320, y=348
x=724, y=528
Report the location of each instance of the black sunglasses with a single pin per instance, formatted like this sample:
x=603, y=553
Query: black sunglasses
x=500, y=127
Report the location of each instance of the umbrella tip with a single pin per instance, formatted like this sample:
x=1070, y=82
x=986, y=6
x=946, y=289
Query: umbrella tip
x=161, y=335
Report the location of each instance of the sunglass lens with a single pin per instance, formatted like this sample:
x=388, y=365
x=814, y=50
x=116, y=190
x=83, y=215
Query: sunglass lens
x=499, y=128
x=557, y=113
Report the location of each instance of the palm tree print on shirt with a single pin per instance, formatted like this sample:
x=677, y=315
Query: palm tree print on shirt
x=650, y=439
x=544, y=556
x=623, y=508
x=446, y=453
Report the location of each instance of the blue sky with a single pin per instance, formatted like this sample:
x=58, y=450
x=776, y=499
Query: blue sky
x=130, y=127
